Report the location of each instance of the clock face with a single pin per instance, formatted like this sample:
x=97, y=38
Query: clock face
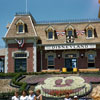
x=59, y=86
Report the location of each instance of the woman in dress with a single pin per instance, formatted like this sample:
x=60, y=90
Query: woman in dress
x=24, y=96
x=39, y=96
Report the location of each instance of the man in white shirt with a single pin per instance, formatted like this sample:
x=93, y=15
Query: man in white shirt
x=31, y=95
x=16, y=97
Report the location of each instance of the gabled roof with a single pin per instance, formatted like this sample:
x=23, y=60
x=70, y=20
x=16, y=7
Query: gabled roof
x=61, y=39
x=26, y=19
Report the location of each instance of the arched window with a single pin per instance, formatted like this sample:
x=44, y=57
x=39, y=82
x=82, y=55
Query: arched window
x=69, y=34
x=69, y=30
x=50, y=33
x=89, y=32
x=20, y=26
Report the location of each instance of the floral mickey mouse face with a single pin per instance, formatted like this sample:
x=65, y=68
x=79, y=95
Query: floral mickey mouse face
x=58, y=86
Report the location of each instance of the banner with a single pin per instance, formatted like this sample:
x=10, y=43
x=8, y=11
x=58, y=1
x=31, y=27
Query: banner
x=65, y=47
x=20, y=42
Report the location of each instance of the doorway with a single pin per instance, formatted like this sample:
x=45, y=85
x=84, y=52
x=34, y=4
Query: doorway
x=20, y=65
x=70, y=63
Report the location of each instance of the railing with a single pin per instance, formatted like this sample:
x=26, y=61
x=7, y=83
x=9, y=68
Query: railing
x=22, y=13
x=68, y=21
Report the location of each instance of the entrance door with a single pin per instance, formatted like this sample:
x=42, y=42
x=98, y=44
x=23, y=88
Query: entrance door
x=70, y=63
x=20, y=65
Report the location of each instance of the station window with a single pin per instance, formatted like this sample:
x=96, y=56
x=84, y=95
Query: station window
x=20, y=28
x=20, y=62
x=91, y=60
x=50, y=35
x=50, y=62
x=90, y=34
x=20, y=55
x=70, y=33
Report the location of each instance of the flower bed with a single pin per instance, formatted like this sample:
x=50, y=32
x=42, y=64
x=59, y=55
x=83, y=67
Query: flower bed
x=58, y=86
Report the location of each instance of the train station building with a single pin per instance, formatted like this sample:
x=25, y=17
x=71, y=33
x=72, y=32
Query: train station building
x=33, y=46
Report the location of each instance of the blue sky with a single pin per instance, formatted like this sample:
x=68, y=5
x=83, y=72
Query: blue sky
x=47, y=10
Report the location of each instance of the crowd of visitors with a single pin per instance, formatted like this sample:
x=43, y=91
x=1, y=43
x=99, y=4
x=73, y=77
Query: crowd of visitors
x=68, y=98
x=31, y=96
x=37, y=96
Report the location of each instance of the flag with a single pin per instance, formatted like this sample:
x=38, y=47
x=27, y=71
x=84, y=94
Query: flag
x=20, y=42
x=63, y=33
x=60, y=33
x=80, y=32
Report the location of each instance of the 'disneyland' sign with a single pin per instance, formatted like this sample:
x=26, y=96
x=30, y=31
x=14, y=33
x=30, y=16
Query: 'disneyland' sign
x=63, y=47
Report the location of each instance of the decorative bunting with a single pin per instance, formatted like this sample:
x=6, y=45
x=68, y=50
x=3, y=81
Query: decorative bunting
x=20, y=42
x=80, y=32
x=60, y=33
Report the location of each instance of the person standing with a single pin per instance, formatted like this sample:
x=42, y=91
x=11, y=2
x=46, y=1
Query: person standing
x=16, y=96
x=67, y=97
x=31, y=95
x=39, y=97
x=24, y=96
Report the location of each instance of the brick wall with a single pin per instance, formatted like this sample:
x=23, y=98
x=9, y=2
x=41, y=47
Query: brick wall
x=14, y=47
x=82, y=61
x=59, y=63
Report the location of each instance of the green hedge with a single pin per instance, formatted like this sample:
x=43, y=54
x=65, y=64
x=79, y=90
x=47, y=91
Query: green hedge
x=8, y=74
x=21, y=84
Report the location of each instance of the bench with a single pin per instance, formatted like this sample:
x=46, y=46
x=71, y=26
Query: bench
x=89, y=70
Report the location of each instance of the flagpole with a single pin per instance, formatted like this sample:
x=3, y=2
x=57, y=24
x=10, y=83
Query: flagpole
x=26, y=6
